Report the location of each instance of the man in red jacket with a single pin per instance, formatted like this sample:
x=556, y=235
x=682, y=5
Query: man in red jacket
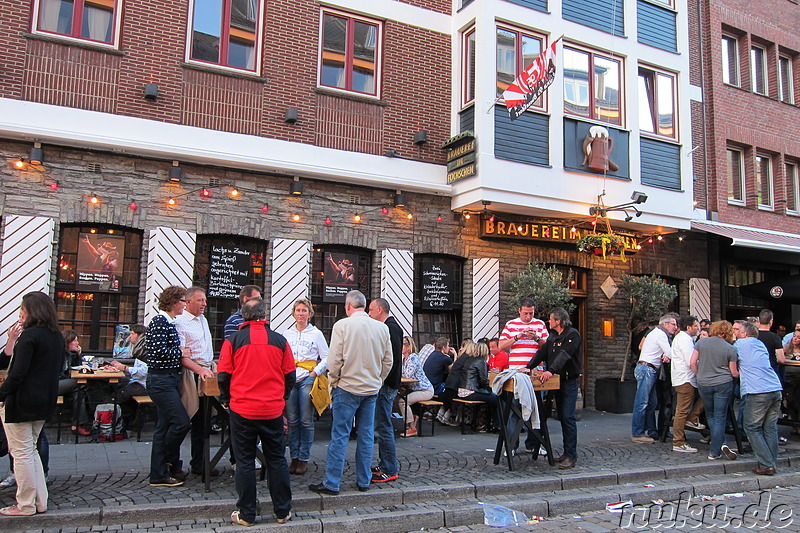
x=256, y=374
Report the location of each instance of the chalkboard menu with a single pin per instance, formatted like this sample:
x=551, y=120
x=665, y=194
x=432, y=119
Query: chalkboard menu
x=437, y=285
x=229, y=271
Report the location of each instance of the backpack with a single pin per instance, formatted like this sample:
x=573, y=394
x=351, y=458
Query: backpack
x=102, y=425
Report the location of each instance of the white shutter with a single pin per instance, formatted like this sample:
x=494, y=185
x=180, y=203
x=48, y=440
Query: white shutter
x=291, y=278
x=699, y=298
x=170, y=261
x=397, y=285
x=485, y=297
x=26, y=264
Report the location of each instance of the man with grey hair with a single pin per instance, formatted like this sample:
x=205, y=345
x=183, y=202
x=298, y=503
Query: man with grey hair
x=256, y=375
x=655, y=351
x=359, y=359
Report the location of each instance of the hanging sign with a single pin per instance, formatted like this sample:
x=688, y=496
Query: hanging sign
x=461, y=161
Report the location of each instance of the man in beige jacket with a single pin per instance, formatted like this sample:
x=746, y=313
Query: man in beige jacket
x=359, y=359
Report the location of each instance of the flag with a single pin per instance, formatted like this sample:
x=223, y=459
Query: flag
x=531, y=83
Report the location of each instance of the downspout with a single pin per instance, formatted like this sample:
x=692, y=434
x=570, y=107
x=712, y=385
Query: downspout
x=703, y=106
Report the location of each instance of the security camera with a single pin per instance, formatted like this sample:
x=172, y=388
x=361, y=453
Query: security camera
x=638, y=197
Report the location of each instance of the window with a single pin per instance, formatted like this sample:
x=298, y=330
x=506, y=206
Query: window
x=97, y=282
x=764, y=181
x=758, y=69
x=785, y=82
x=91, y=20
x=225, y=32
x=792, y=188
x=335, y=270
x=438, y=297
x=657, y=102
x=730, y=60
x=515, y=52
x=595, y=97
x=735, y=176
x=350, y=50
x=469, y=67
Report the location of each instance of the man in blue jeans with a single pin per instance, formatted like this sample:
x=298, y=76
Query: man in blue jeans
x=656, y=350
x=387, y=469
x=359, y=359
x=762, y=389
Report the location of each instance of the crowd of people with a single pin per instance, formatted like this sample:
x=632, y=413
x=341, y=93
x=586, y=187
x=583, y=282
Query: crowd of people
x=701, y=361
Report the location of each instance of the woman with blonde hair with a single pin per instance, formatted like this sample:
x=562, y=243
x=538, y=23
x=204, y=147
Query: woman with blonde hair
x=311, y=358
x=420, y=391
x=714, y=361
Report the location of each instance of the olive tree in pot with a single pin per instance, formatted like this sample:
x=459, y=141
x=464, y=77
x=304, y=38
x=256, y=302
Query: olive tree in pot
x=545, y=284
x=649, y=298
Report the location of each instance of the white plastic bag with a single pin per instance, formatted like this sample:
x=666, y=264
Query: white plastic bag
x=499, y=516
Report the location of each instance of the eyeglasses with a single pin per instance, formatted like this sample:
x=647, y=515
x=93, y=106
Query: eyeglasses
x=798, y=329
x=183, y=299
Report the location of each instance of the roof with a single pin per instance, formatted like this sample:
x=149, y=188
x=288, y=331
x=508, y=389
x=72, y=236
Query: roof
x=751, y=237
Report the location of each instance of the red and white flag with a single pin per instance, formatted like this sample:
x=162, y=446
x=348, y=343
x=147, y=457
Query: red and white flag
x=532, y=82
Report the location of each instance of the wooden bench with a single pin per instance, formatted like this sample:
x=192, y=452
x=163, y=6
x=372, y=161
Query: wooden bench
x=474, y=407
x=141, y=403
x=432, y=407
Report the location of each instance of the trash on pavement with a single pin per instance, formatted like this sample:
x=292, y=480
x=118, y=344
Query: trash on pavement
x=617, y=507
x=499, y=516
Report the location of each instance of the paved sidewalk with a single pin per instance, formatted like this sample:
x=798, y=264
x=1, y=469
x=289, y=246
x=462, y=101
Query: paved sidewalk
x=112, y=477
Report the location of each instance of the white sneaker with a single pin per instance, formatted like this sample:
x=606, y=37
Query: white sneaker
x=9, y=481
x=695, y=425
x=730, y=454
x=685, y=449
x=705, y=440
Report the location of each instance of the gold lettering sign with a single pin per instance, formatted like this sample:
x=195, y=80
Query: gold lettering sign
x=458, y=151
x=536, y=231
x=461, y=173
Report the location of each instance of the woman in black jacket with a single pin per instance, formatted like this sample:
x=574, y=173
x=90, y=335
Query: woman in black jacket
x=28, y=396
x=469, y=380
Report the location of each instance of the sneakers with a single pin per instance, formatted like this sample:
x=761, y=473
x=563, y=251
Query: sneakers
x=9, y=481
x=783, y=440
x=236, y=519
x=410, y=433
x=730, y=454
x=169, y=482
x=685, y=449
x=643, y=439
x=705, y=440
x=713, y=457
x=695, y=425
x=440, y=417
x=382, y=477
x=285, y=518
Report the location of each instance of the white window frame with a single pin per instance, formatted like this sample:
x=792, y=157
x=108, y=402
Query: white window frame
x=729, y=178
x=378, y=52
x=114, y=44
x=621, y=98
x=733, y=78
x=258, y=49
x=468, y=73
x=759, y=178
x=656, y=99
x=787, y=77
x=755, y=66
x=792, y=186
x=518, y=66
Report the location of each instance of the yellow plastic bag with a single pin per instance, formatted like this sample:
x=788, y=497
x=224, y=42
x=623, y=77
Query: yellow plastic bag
x=320, y=395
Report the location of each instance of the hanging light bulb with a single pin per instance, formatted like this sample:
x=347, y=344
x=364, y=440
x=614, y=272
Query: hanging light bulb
x=93, y=199
x=638, y=246
x=650, y=240
x=54, y=186
x=519, y=227
x=467, y=215
x=172, y=201
x=572, y=230
x=439, y=218
x=660, y=238
x=491, y=218
x=205, y=193
x=328, y=221
x=385, y=210
x=680, y=238
x=234, y=192
x=409, y=216
x=296, y=217
x=357, y=218
x=265, y=208
x=20, y=164
x=132, y=206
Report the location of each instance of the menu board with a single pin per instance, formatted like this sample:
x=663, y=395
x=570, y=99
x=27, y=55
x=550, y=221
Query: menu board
x=437, y=285
x=229, y=271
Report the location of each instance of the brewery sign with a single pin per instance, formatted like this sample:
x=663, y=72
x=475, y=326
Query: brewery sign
x=496, y=227
x=461, y=156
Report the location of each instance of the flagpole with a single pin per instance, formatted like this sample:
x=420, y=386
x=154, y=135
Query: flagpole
x=496, y=101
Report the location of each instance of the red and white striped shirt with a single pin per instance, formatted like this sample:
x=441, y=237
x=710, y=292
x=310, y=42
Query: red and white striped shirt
x=523, y=350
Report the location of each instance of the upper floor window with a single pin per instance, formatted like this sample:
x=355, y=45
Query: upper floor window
x=792, y=189
x=226, y=33
x=764, y=181
x=657, y=102
x=758, y=69
x=468, y=69
x=91, y=20
x=730, y=60
x=597, y=96
x=735, y=176
x=515, y=52
x=785, y=81
x=349, y=53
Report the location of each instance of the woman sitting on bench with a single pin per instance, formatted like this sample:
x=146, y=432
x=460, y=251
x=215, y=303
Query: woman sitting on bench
x=469, y=380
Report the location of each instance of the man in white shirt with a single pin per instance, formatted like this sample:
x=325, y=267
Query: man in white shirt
x=655, y=351
x=685, y=383
x=198, y=352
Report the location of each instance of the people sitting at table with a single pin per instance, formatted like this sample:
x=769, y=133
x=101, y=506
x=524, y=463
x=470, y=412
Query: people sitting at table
x=438, y=364
x=420, y=390
x=469, y=380
x=69, y=386
x=137, y=372
x=498, y=360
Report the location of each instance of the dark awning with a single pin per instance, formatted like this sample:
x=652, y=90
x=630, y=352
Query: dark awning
x=776, y=241
x=786, y=289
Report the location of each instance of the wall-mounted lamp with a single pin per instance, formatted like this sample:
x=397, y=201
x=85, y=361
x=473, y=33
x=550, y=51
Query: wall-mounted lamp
x=638, y=197
x=391, y=153
x=175, y=172
x=421, y=137
x=37, y=154
x=290, y=115
x=399, y=199
x=150, y=91
x=297, y=187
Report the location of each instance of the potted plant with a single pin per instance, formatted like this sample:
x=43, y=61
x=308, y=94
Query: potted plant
x=649, y=298
x=602, y=244
x=545, y=284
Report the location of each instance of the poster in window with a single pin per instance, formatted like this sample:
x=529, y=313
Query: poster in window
x=437, y=286
x=100, y=262
x=340, y=275
x=229, y=271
